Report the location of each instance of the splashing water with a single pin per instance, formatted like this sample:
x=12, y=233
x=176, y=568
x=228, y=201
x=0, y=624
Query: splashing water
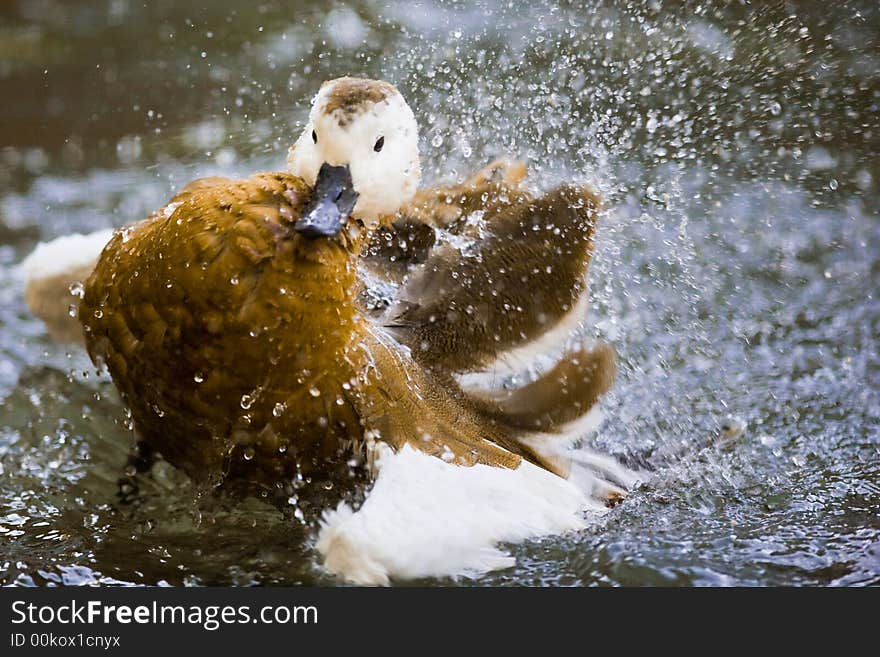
x=735, y=268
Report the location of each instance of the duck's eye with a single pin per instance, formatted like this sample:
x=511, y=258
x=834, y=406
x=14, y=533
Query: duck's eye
x=314, y=136
x=380, y=142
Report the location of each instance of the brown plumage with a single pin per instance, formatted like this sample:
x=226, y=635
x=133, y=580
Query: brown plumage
x=219, y=324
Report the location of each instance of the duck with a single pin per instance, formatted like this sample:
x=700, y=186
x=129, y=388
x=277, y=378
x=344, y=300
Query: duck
x=235, y=321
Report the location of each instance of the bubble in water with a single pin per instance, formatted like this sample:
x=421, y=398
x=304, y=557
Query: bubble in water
x=247, y=401
x=248, y=453
x=279, y=409
x=77, y=289
x=314, y=392
x=437, y=141
x=199, y=377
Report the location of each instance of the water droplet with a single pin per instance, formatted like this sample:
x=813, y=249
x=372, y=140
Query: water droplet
x=77, y=289
x=248, y=453
x=199, y=377
x=775, y=108
x=247, y=401
x=233, y=280
x=99, y=313
x=314, y=392
x=278, y=409
x=71, y=310
x=437, y=141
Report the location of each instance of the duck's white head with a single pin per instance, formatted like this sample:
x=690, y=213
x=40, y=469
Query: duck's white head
x=360, y=151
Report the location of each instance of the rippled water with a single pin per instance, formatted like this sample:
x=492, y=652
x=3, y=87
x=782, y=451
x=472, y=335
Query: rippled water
x=736, y=268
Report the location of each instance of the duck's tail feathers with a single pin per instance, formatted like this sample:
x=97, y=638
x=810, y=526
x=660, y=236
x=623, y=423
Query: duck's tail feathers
x=51, y=273
x=562, y=394
x=548, y=415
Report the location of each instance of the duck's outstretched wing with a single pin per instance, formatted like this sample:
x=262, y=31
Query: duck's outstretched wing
x=408, y=405
x=406, y=239
x=469, y=303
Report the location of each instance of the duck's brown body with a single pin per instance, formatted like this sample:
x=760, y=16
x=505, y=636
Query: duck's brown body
x=218, y=323
x=242, y=352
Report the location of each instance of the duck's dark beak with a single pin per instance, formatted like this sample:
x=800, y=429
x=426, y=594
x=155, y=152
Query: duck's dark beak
x=332, y=202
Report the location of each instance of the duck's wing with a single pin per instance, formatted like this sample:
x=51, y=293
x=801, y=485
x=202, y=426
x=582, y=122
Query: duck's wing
x=404, y=405
x=407, y=238
x=408, y=405
x=472, y=301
